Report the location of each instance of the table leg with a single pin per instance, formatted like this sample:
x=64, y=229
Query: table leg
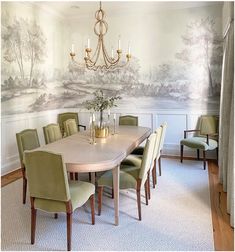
x=93, y=178
x=116, y=171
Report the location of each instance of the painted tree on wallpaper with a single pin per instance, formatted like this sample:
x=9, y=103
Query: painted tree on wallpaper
x=203, y=48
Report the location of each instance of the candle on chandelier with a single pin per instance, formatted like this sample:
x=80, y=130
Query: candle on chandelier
x=72, y=48
x=119, y=44
x=93, y=117
x=129, y=49
x=88, y=43
x=112, y=54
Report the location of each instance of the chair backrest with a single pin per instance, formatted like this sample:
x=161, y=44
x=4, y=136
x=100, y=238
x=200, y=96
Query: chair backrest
x=52, y=133
x=157, y=146
x=47, y=175
x=128, y=120
x=64, y=117
x=27, y=140
x=70, y=127
x=163, y=126
x=147, y=157
x=208, y=124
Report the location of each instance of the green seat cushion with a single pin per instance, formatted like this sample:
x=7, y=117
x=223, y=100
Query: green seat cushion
x=126, y=180
x=132, y=159
x=138, y=150
x=79, y=191
x=199, y=143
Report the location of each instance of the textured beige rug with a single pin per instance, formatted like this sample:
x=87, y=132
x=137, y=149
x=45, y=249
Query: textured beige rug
x=177, y=218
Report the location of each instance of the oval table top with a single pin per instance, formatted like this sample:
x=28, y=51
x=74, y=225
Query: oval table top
x=82, y=156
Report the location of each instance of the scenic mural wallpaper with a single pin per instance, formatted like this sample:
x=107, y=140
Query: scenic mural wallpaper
x=190, y=79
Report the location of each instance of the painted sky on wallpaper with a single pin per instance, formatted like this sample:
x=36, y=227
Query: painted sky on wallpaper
x=34, y=77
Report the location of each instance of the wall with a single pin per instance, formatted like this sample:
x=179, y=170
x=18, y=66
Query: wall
x=174, y=75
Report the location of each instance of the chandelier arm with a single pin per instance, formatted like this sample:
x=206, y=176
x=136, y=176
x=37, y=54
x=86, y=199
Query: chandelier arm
x=109, y=59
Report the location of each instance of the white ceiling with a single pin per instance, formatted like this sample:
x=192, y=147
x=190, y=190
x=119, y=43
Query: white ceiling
x=76, y=9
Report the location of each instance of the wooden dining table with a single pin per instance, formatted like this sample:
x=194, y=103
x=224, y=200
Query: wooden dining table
x=81, y=156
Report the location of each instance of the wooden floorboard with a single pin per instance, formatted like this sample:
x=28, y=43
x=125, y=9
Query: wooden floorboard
x=223, y=232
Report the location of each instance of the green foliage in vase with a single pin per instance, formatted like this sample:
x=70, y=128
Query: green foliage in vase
x=100, y=103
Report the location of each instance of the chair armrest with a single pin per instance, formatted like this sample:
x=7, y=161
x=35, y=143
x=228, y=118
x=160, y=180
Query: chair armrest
x=208, y=135
x=83, y=126
x=186, y=131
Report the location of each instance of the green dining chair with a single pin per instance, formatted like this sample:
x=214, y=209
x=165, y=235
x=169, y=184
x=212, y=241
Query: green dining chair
x=131, y=176
x=62, y=117
x=51, y=191
x=26, y=140
x=164, y=127
x=128, y=120
x=205, y=137
x=70, y=127
x=136, y=159
x=52, y=133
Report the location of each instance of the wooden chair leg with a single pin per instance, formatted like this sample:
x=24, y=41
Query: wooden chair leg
x=153, y=176
x=148, y=179
x=204, y=159
x=138, y=198
x=89, y=176
x=33, y=220
x=100, y=193
x=69, y=230
x=146, y=192
x=56, y=215
x=198, y=154
x=92, y=202
x=160, y=166
x=71, y=175
x=181, y=153
x=217, y=154
x=24, y=185
x=76, y=176
x=112, y=194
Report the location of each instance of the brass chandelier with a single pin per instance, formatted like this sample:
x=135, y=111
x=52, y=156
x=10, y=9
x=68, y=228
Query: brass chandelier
x=100, y=59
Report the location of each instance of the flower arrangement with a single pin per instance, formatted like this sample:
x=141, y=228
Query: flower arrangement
x=100, y=103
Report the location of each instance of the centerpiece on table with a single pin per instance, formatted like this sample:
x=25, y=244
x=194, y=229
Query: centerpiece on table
x=99, y=104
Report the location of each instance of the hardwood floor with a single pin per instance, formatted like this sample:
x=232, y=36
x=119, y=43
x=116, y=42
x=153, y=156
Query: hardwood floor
x=223, y=232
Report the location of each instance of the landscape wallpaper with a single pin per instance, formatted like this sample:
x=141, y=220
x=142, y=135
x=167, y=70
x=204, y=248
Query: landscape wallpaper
x=31, y=82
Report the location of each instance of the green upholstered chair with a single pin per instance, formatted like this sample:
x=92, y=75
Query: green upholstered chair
x=131, y=176
x=52, y=133
x=62, y=117
x=205, y=137
x=70, y=127
x=26, y=140
x=128, y=120
x=136, y=159
x=51, y=191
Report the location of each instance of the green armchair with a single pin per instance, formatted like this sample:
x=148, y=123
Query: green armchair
x=26, y=140
x=51, y=191
x=205, y=138
x=70, y=127
x=128, y=120
x=62, y=117
x=131, y=176
x=52, y=133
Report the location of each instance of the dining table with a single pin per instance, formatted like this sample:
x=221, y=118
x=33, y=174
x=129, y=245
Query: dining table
x=81, y=155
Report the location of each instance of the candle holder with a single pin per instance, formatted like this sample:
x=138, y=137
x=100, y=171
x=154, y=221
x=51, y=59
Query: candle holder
x=114, y=126
x=92, y=131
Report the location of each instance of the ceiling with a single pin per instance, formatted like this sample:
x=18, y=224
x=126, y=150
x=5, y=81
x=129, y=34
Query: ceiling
x=76, y=9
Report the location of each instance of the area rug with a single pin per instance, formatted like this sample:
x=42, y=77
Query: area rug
x=178, y=217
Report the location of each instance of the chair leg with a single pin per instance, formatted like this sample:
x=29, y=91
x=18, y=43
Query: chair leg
x=181, y=153
x=112, y=194
x=92, y=202
x=138, y=198
x=148, y=179
x=69, y=230
x=76, y=176
x=146, y=192
x=160, y=166
x=204, y=159
x=100, y=194
x=217, y=154
x=153, y=176
x=56, y=215
x=24, y=185
x=33, y=220
x=71, y=175
x=198, y=154
x=89, y=176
